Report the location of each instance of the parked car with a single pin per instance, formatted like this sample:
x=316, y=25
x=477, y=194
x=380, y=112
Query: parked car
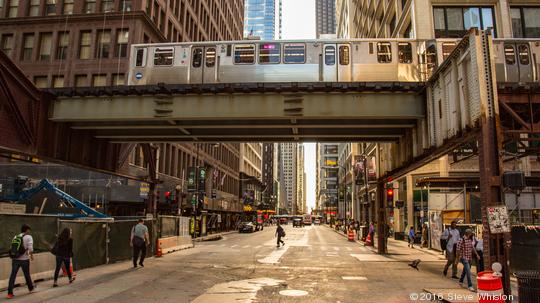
x=297, y=222
x=246, y=227
x=317, y=222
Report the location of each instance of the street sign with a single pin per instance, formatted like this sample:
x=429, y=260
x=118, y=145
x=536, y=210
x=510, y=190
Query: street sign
x=192, y=175
x=214, y=194
x=202, y=178
x=194, y=200
x=498, y=219
x=144, y=189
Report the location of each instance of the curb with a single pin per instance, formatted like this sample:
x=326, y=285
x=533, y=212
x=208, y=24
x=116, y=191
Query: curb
x=213, y=236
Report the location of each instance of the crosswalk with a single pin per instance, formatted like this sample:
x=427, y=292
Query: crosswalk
x=323, y=249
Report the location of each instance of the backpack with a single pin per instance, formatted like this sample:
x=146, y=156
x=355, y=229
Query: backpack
x=443, y=242
x=281, y=232
x=17, y=247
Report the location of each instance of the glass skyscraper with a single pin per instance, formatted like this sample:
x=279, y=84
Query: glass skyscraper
x=260, y=19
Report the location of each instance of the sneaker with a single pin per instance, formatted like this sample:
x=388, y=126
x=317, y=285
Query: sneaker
x=10, y=296
x=472, y=289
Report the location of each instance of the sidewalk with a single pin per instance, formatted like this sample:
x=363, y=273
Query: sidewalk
x=214, y=236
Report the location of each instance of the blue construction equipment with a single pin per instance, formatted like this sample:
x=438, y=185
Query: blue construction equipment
x=84, y=210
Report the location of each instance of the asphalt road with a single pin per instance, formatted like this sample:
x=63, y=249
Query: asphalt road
x=315, y=265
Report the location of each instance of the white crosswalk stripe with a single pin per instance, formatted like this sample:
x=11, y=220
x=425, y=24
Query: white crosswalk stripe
x=349, y=249
x=323, y=248
x=336, y=248
x=246, y=246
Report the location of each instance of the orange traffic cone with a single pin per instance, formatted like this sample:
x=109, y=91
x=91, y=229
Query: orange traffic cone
x=64, y=271
x=350, y=235
x=369, y=241
x=159, y=253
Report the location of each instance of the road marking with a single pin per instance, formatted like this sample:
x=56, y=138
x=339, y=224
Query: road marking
x=274, y=256
x=336, y=248
x=234, y=246
x=293, y=293
x=258, y=246
x=236, y=291
x=246, y=246
x=355, y=278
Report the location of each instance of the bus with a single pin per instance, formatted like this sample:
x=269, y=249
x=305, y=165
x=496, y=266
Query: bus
x=307, y=219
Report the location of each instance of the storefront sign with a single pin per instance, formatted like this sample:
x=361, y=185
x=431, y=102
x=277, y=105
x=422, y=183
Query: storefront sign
x=144, y=189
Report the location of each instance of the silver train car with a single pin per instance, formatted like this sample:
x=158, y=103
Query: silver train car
x=360, y=60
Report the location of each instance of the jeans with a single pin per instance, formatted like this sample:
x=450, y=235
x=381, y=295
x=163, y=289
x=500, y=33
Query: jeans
x=451, y=257
x=15, y=265
x=279, y=240
x=59, y=261
x=136, y=251
x=466, y=272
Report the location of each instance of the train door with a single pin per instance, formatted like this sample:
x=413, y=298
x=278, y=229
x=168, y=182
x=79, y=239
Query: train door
x=345, y=64
x=203, y=65
x=329, y=67
x=517, y=62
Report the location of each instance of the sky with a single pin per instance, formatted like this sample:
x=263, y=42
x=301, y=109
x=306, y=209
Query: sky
x=299, y=23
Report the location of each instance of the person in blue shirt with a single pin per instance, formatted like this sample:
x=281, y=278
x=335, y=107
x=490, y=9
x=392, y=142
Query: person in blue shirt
x=411, y=237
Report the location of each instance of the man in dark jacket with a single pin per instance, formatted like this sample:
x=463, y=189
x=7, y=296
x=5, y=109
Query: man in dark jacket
x=280, y=233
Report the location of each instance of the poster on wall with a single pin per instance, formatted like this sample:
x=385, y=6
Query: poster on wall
x=498, y=219
x=372, y=169
x=435, y=228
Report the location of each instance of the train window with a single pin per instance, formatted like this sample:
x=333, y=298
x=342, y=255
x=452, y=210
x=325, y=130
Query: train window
x=139, y=57
x=344, y=55
x=210, y=57
x=269, y=53
x=405, y=52
x=523, y=53
x=294, y=53
x=509, y=54
x=329, y=55
x=244, y=54
x=384, y=52
x=196, y=57
x=163, y=56
x=431, y=56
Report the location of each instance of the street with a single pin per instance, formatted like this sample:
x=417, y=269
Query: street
x=315, y=265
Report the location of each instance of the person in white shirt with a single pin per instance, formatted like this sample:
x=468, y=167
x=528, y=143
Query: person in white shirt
x=22, y=261
x=451, y=235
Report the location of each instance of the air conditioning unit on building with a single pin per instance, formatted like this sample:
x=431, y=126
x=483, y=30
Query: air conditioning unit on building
x=514, y=180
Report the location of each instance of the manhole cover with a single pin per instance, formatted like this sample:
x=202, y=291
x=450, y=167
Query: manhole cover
x=293, y=293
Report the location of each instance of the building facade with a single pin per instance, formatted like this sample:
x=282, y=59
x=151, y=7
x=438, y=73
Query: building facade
x=325, y=17
x=270, y=175
x=300, y=180
x=288, y=182
x=327, y=180
x=260, y=19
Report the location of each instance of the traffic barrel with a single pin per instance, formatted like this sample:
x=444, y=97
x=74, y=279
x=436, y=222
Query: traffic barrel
x=490, y=288
x=159, y=252
x=350, y=235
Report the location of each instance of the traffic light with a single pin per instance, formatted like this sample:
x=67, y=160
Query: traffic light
x=390, y=195
x=168, y=197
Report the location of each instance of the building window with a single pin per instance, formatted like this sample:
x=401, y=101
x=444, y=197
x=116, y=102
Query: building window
x=80, y=81
x=61, y=48
x=454, y=22
x=7, y=43
x=103, y=43
x=89, y=6
x=127, y=6
x=99, y=80
x=525, y=22
x=58, y=81
x=118, y=79
x=28, y=47
x=122, y=37
x=50, y=7
x=33, y=9
x=45, y=46
x=68, y=7
x=84, y=45
x=13, y=8
x=107, y=6
x=41, y=81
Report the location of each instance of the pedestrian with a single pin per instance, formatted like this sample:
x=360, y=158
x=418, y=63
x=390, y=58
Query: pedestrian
x=63, y=250
x=139, y=240
x=465, y=250
x=280, y=232
x=451, y=236
x=411, y=237
x=371, y=230
x=479, y=247
x=424, y=235
x=21, y=252
x=357, y=228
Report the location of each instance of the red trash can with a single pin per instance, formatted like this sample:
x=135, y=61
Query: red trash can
x=490, y=288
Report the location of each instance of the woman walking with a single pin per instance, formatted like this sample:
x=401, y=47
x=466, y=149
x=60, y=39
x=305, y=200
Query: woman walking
x=63, y=250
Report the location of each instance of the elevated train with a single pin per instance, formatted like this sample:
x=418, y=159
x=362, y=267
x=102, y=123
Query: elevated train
x=352, y=60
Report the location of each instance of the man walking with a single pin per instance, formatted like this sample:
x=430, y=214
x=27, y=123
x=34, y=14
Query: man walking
x=464, y=253
x=22, y=248
x=451, y=235
x=280, y=232
x=139, y=240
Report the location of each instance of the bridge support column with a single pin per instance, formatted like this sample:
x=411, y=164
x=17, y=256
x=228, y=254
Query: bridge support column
x=151, y=159
x=381, y=218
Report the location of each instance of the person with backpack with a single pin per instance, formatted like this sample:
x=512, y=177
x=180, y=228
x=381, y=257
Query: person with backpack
x=280, y=232
x=139, y=240
x=63, y=250
x=21, y=252
x=451, y=236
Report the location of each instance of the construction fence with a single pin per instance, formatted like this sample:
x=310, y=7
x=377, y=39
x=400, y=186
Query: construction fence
x=95, y=242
